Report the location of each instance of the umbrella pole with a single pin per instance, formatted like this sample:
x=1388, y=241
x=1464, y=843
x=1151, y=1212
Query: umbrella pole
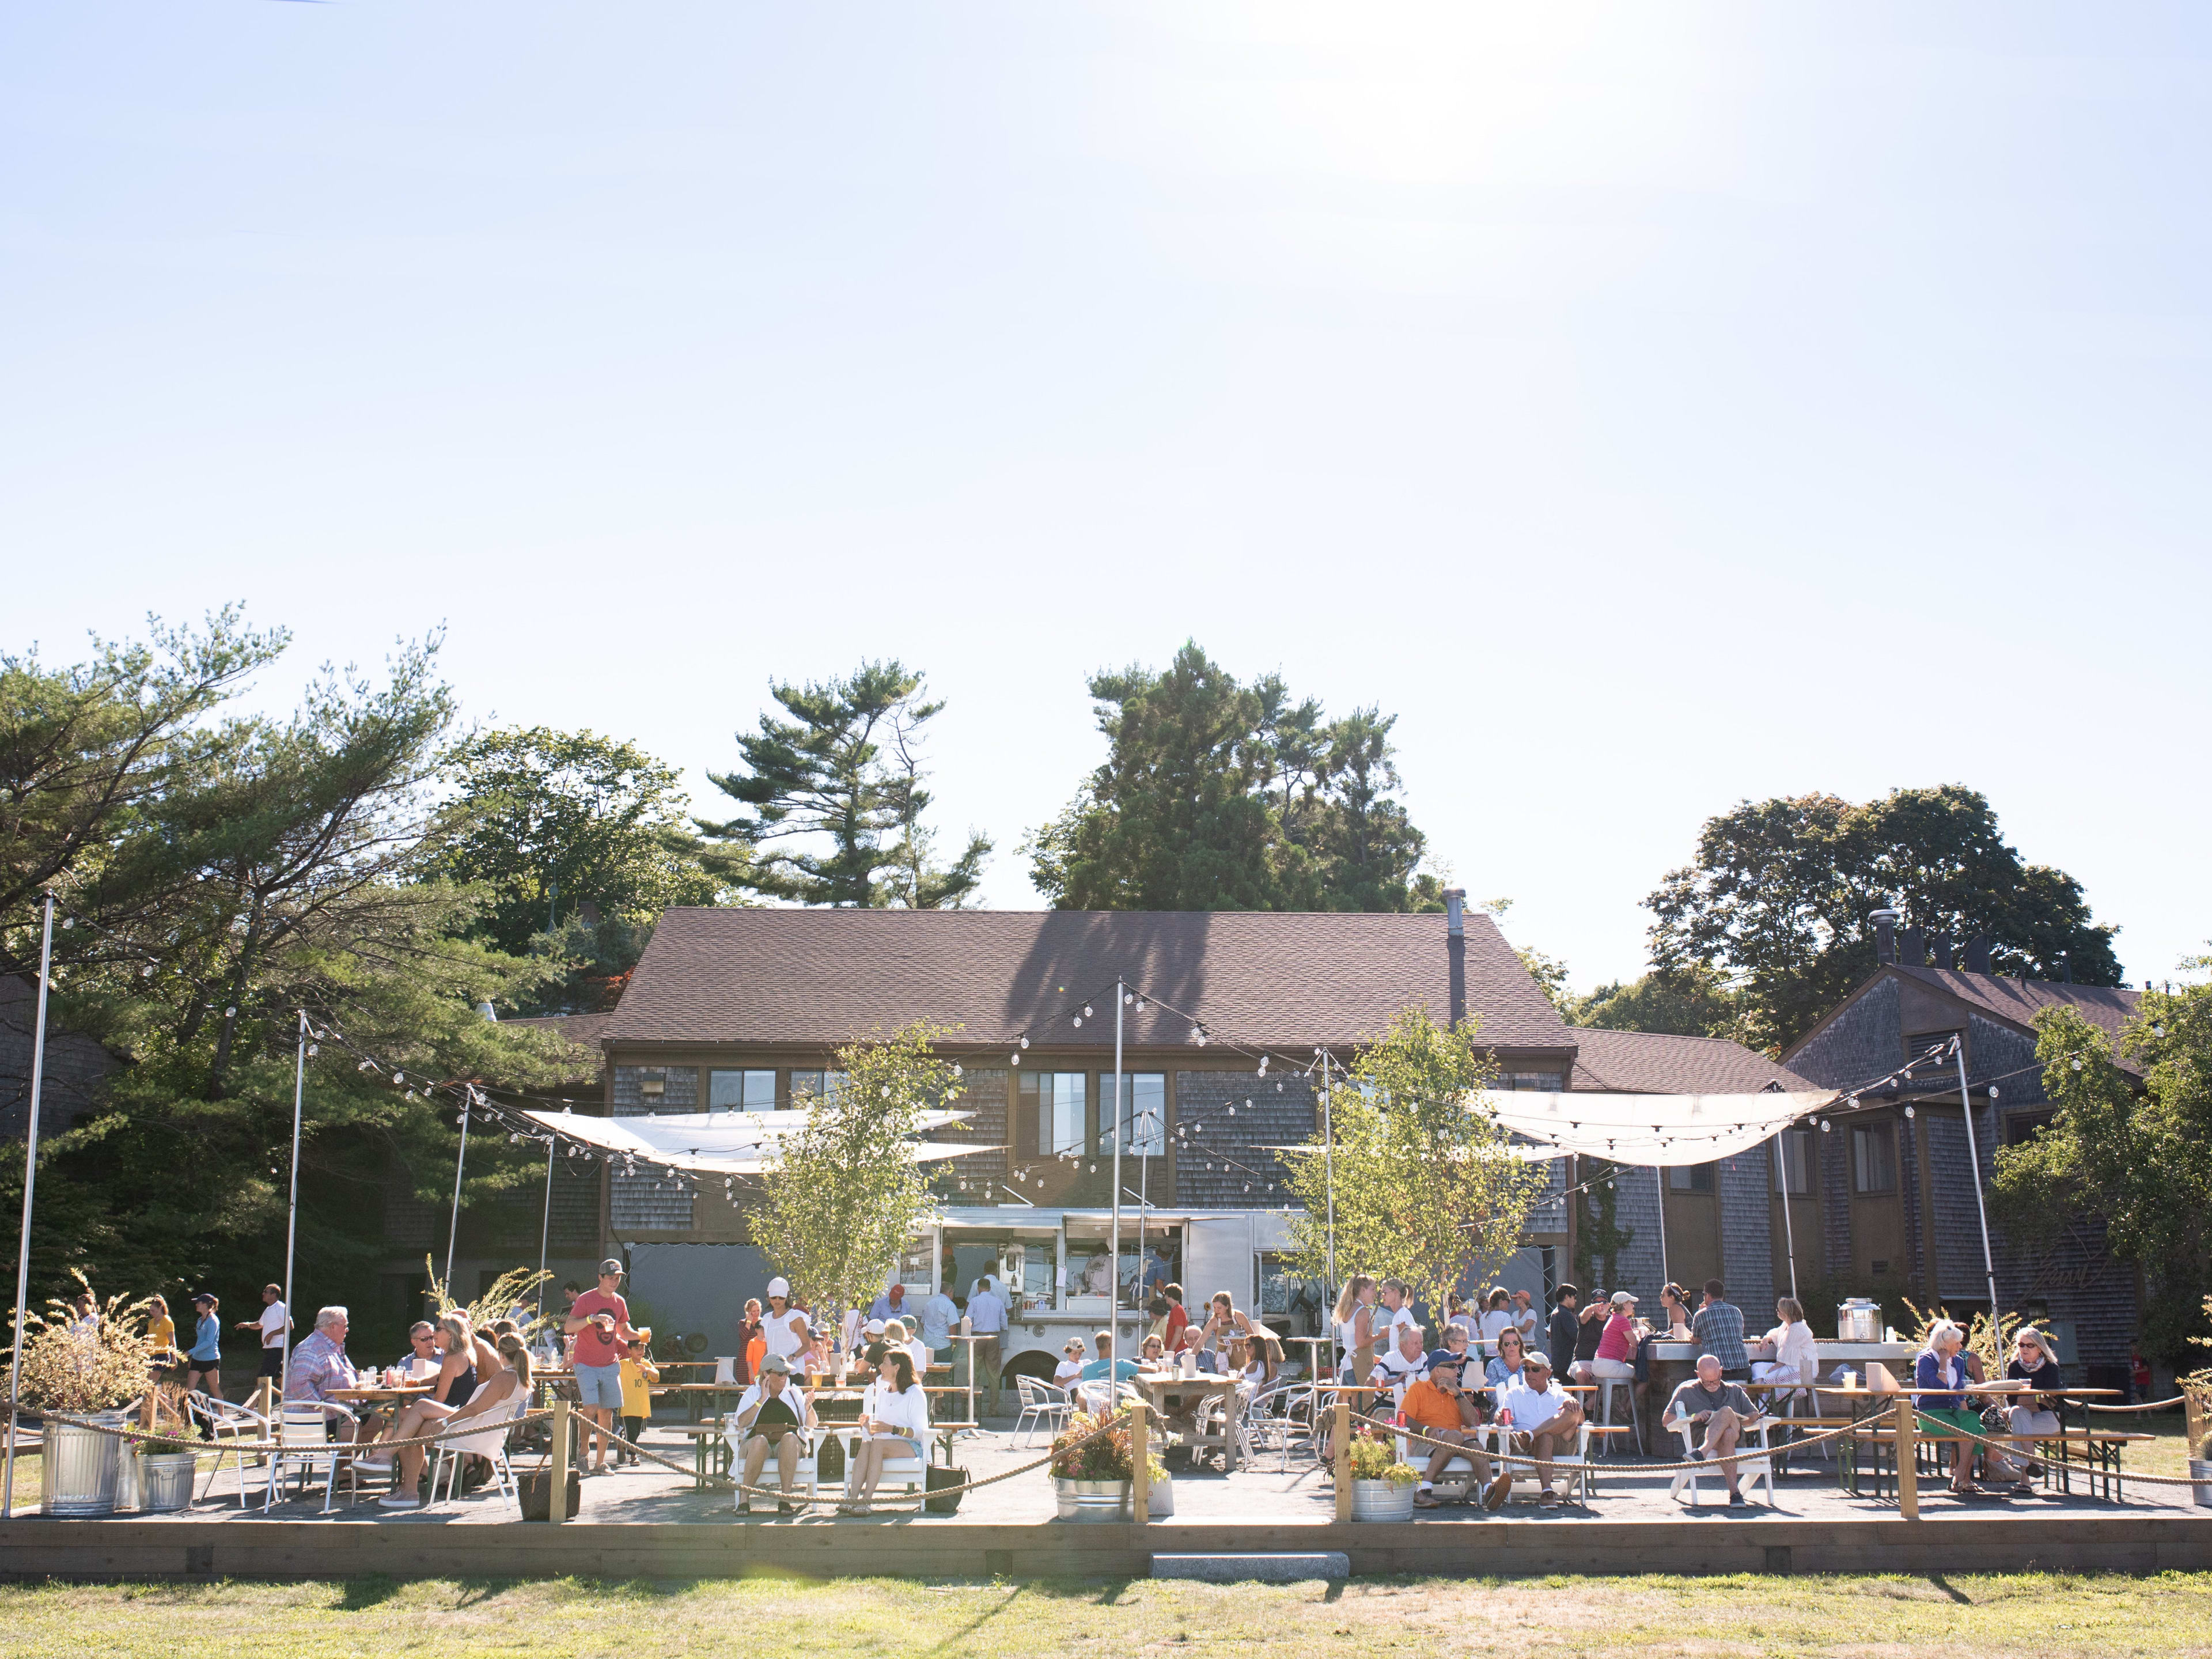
x=1659, y=1180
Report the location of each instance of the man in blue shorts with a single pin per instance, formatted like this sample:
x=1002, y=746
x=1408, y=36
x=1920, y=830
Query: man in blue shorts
x=599, y=1321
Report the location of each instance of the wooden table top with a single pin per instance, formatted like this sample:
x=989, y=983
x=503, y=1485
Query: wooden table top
x=404, y=1391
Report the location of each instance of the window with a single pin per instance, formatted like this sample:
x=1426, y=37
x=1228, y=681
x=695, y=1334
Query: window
x=1055, y=1101
x=741, y=1091
x=2020, y=1128
x=1919, y=1042
x=1873, y=1159
x=816, y=1085
x=1691, y=1178
x=1148, y=1105
x=1794, y=1159
x=1547, y=1082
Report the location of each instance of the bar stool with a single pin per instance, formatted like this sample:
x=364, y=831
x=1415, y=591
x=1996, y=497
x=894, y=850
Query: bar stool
x=1605, y=1385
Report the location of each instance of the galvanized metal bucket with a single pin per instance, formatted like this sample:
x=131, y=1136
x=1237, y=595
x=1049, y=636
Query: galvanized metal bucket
x=1092, y=1500
x=1382, y=1500
x=2200, y=1470
x=79, y=1467
x=168, y=1481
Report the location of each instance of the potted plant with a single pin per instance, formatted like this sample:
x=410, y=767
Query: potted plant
x=1382, y=1486
x=73, y=1368
x=1090, y=1478
x=166, y=1466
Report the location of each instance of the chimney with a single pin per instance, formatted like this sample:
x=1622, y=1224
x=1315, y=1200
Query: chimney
x=1978, y=953
x=1943, y=951
x=1885, y=934
x=2066, y=961
x=1456, y=951
x=1912, y=948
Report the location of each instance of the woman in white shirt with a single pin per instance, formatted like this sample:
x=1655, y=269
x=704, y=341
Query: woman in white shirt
x=1796, y=1360
x=896, y=1336
x=1496, y=1317
x=895, y=1419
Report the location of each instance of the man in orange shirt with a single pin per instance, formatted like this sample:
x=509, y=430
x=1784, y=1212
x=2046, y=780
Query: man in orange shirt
x=1441, y=1409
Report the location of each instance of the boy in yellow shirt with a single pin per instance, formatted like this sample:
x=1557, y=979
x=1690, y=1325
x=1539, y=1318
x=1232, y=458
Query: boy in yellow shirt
x=639, y=1374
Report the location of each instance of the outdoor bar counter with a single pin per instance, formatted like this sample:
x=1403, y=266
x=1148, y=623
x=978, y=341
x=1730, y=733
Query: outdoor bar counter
x=1675, y=1362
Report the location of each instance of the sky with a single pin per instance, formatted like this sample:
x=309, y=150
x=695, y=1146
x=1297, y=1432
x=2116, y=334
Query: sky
x=1654, y=406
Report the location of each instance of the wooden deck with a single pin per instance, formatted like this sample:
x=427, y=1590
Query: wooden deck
x=951, y=1547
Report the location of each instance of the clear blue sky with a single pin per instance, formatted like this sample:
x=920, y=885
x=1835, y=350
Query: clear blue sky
x=1654, y=405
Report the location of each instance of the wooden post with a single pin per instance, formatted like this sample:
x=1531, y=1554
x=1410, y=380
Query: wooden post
x=558, y=1499
x=263, y=1406
x=2192, y=1418
x=1340, y=1444
x=1908, y=1473
x=1140, y=1468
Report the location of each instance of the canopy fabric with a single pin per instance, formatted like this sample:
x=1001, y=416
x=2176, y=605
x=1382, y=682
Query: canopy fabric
x=732, y=1144
x=1664, y=1130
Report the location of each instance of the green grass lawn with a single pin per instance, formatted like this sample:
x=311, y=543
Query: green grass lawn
x=2033, y=1614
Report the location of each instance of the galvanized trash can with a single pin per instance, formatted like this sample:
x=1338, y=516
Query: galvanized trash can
x=167, y=1481
x=2200, y=1471
x=80, y=1466
x=1092, y=1500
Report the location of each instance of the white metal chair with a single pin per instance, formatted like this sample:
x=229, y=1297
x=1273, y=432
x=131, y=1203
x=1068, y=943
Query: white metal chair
x=227, y=1425
x=305, y=1441
x=910, y=1473
x=1753, y=1460
x=1273, y=1416
x=490, y=1444
x=1043, y=1407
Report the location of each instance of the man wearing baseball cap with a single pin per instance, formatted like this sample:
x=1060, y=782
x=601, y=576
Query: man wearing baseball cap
x=773, y=1415
x=599, y=1321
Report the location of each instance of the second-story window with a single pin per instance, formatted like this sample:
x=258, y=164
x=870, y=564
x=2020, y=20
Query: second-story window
x=1057, y=1104
x=1873, y=1159
x=1690, y=1178
x=741, y=1091
x=815, y=1085
x=1145, y=1116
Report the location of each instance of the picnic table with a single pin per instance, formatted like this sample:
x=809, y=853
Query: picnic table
x=1160, y=1387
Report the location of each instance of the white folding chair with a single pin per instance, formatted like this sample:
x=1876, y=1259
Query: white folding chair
x=490, y=1444
x=1754, y=1461
x=1571, y=1469
x=909, y=1472
x=1043, y=1407
x=305, y=1442
x=227, y=1425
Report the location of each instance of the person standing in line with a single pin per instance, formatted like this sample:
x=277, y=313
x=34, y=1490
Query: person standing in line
x=1526, y=1319
x=1566, y=1323
x=937, y=1315
x=749, y=1330
x=1497, y=1315
x=599, y=1322
x=987, y=1321
x=786, y=1330
x=275, y=1324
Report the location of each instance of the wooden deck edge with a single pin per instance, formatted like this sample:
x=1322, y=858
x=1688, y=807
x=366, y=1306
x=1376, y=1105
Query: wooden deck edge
x=955, y=1549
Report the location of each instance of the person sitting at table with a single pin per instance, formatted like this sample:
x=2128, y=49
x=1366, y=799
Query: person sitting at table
x=420, y=1362
x=1442, y=1410
x=1403, y=1366
x=2033, y=1361
x=1615, y=1359
x=1100, y=1376
x=1589, y=1331
x=1456, y=1350
x=1154, y=1354
x=1512, y=1354
x=1257, y=1363
x=899, y=1336
x=463, y=1359
x=1723, y=1410
x=1538, y=1419
x=893, y=1423
x=1938, y=1399
x=774, y=1414
x=1675, y=1310
x=319, y=1365
x=1069, y=1372
x=422, y=1417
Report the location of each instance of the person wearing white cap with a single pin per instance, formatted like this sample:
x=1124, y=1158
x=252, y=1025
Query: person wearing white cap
x=1615, y=1359
x=783, y=1327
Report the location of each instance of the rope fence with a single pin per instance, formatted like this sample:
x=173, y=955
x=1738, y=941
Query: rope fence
x=452, y=1431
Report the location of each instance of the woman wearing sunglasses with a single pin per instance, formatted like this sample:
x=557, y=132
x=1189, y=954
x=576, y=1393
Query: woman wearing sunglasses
x=2033, y=1361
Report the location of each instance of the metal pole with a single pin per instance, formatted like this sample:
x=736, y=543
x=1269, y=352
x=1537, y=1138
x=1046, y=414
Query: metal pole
x=1329, y=1172
x=545, y=1230
x=291, y=1207
x=1113, y=1247
x=30, y=1171
x=1659, y=1179
x=1974, y=1158
x=453, y=1230
x=1789, y=1234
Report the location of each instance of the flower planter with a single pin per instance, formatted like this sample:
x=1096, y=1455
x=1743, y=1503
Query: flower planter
x=1160, y=1506
x=168, y=1481
x=1382, y=1500
x=80, y=1467
x=1091, y=1500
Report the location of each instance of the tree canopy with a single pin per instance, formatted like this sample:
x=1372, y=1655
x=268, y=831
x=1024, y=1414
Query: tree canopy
x=835, y=797
x=2141, y=1162
x=1692, y=1001
x=1778, y=896
x=1217, y=795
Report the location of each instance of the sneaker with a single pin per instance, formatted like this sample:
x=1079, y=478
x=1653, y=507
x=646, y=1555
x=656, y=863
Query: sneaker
x=399, y=1500
x=1548, y=1499
x=1738, y=1501
x=1500, y=1489
x=1425, y=1500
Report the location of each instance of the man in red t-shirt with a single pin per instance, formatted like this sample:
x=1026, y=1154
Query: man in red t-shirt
x=599, y=1321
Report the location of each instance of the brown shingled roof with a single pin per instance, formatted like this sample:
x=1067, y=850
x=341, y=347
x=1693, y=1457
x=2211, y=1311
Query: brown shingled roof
x=2018, y=1001
x=1655, y=1063
x=824, y=977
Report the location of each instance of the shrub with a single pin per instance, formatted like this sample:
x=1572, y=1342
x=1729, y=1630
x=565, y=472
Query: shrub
x=1107, y=1458
x=77, y=1372
x=1373, y=1458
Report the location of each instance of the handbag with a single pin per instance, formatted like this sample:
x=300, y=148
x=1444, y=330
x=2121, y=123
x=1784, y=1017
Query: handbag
x=533, y=1492
x=935, y=1478
x=829, y=1459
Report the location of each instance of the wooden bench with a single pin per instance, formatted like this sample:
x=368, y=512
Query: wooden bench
x=2097, y=1454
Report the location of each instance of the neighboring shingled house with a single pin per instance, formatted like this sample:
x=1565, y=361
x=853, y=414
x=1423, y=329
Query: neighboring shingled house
x=76, y=1066
x=1896, y=1194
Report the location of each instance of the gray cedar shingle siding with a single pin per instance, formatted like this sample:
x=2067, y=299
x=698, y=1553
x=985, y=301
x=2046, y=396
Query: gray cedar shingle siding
x=984, y=1093
x=823, y=977
x=643, y=1202
x=1282, y=1116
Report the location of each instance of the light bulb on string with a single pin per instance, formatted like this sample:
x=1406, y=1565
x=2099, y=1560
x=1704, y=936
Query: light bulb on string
x=1016, y=1059
x=1086, y=1011
x=1079, y=1019
x=1909, y=1112
x=1025, y=1042
x=956, y=1068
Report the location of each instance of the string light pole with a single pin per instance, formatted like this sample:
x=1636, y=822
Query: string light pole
x=1114, y=1250
x=30, y=1171
x=545, y=1228
x=453, y=1229
x=292, y=1204
x=1974, y=1160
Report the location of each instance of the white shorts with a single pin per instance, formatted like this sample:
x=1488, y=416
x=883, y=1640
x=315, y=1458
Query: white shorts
x=1618, y=1371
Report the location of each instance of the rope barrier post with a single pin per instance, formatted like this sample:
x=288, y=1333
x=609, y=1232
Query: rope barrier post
x=557, y=1499
x=1340, y=1451
x=263, y=1405
x=2192, y=1421
x=1140, y=1469
x=1908, y=1471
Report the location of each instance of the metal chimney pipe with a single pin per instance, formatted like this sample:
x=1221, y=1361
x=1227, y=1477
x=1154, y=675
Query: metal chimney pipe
x=1885, y=934
x=1455, y=911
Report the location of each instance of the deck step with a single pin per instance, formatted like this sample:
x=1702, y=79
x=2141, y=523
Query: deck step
x=1245, y=1569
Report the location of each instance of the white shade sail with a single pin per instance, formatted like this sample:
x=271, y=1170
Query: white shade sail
x=730, y=1143
x=1648, y=1129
